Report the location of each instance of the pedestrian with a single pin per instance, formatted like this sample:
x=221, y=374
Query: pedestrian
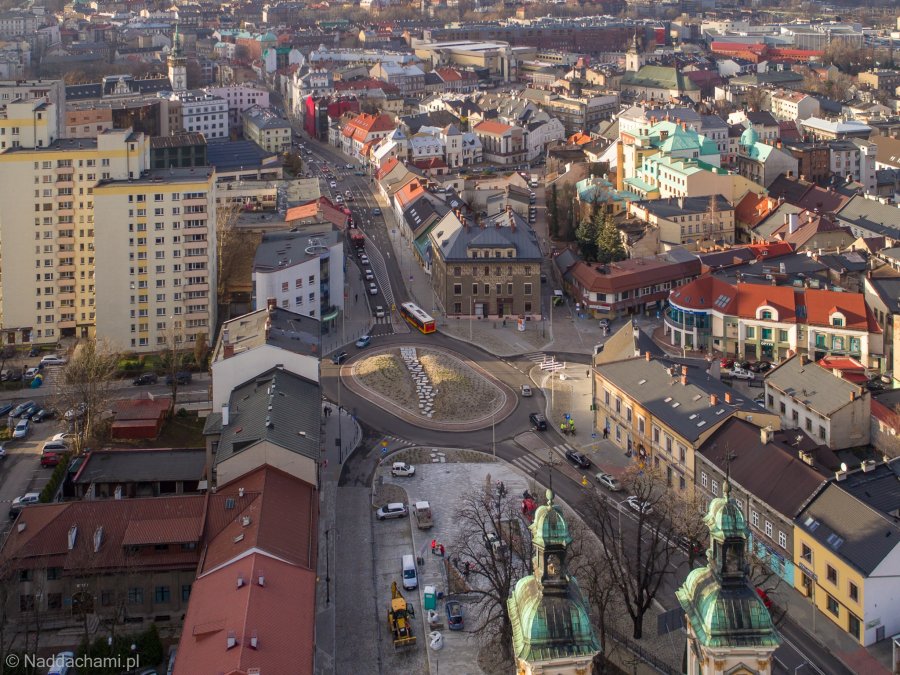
x=466, y=569
x=433, y=545
x=442, y=550
x=356, y=297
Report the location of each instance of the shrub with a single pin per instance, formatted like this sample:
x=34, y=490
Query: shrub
x=56, y=479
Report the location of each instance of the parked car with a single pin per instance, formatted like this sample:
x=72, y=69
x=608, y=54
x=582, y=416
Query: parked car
x=760, y=366
x=31, y=373
x=369, y=275
x=2, y=452
x=402, y=469
x=373, y=289
x=55, y=446
x=75, y=413
x=146, y=378
x=603, y=323
x=15, y=374
x=739, y=373
x=640, y=506
x=539, y=421
x=53, y=360
x=363, y=341
x=29, y=411
x=363, y=258
x=608, y=481
x=578, y=459
x=21, y=408
x=22, y=428
x=393, y=510
x=43, y=414
x=51, y=459
x=493, y=541
x=20, y=503
x=379, y=312
x=339, y=358
x=5, y=408
x=181, y=377
x=526, y=390
x=333, y=185
x=376, y=211
x=725, y=363
x=454, y=615
x=63, y=664
x=64, y=437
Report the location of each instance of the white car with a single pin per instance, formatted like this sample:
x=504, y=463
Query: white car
x=52, y=360
x=22, y=429
x=348, y=166
x=364, y=259
x=526, y=391
x=333, y=185
x=338, y=199
x=379, y=312
x=392, y=510
x=739, y=373
x=608, y=481
x=373, y=289
x=639, y=506
x=31, y=373
x=62, y=438
x=369, y=275
x=402, y=469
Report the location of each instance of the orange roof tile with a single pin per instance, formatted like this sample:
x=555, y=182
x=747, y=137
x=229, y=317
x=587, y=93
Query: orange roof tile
x=492, y=127
x=310, y=210
x=409, y=193
x=448, y=74
x=752, y=209
x=821, y=304
x=579, y=138
x=387, y=167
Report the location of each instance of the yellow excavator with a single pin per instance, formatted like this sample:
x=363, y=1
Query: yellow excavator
x=399, y=616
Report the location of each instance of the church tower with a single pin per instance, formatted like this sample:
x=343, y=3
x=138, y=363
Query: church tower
x=177, y=64
x=552, y=630
x=728, y=626
x=633, y=58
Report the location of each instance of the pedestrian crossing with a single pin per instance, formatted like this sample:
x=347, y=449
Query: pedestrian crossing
x=538, y=357
x=531, y=464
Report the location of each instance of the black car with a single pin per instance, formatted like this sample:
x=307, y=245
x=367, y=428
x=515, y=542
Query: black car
x=146, y=378
x=578, y=460
x=29, y=411
x=760, y=366
x=339, y=358
x=5, y=408
x=181, y=377
x=539, y=421
x=43, y=414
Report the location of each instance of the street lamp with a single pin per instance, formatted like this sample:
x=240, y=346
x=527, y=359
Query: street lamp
x=493, y=436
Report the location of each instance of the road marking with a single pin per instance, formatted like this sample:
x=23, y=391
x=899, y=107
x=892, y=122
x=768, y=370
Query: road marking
x=528, y=464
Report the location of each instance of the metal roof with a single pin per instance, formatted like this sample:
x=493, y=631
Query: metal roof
x=813, y=385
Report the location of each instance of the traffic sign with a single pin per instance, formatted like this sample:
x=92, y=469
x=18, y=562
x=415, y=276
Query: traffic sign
x=384, y=444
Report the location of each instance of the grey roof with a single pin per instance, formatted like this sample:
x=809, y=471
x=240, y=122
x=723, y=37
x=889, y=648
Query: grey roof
x=420, y=214
x=503, y=230
x=280, y=328
x=230, y=155
x=142, y=466
x=263, y=118
x=774, y=220
x=856, y=517
x=685, y=408
x=279, y=250
x=888, y=289
x=811, y=384
x=566, y=260
x=671, y=207
x=849, y=261
x=793, y=269
x=762, y=117
x=867, y=216
x=278, y=407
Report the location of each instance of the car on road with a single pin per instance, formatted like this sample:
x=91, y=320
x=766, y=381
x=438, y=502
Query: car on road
x=181, y=377
x=526, y=391
x=364, y=258
x=402, y=469
x=392, y=510
x=638, y=505
x=20, y=503
x=21, y=408
x=454, y=615
x=22, y=428
x=146, y=378
x=603, y=323
x=760, y=366
x=578, y=459
x=608, y=481
x=43, y=414
x=339, y=358
x=539, y=421
x=31, y=373
x=339, y=199
x=332, y=185
x=53, y=360
x=376, y=211
x=373, y=289
x=363, y=341
x=739, y=373
x=379, y=312
x=369, y=275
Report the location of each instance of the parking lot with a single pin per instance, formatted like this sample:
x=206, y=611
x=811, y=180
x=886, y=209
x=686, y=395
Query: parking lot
x=440, y=484
x=20, y=470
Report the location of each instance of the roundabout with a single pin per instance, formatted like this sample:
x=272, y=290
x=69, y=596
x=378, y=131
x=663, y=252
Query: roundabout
x=429, y=386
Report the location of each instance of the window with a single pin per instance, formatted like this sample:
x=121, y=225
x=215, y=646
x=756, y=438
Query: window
x=527, y=289
x=795, y=415
x=767, y=334
x=161, y=594
x=782, y=539
x=135, y=595
x=854, y=592
x=831, y=574
x=833, y=606
x=853, y=626
x=837, y=321
x=751, y=332
x=782, y=336
x=474, y=289
x=457, y=289
x=769, y=529
x=284, y=287
x=754, y=518
x=806, y=553
x=766, y=314
x=771, y=400
x=298, y=283
x=53, y=573
x=185, y=592
x=809, y=424
x=704, y=479
x=715, y=488
x=54, y=600
x=26, y=603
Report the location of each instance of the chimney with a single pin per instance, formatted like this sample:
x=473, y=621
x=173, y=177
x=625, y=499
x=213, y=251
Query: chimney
x=229, y=350
x=766, y=434
x=727, y=397
x=647, y=355
x=271, y=304
x=713, y=400
x=867, y=466
x=684, y=379
x=224, y=414
x=684, y=371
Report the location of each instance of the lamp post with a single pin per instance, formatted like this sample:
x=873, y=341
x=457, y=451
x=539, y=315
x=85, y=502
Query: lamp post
x=327, y=571
x=493, y=436
x=471, y=312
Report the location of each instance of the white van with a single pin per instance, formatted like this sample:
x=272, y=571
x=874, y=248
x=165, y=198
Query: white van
x=410, y=578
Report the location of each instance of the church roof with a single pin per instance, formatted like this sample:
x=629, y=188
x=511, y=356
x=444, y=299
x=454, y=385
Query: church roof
x=549, y=527
x=659, y=77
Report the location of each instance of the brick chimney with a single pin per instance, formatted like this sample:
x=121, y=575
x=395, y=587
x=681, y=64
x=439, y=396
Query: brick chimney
x=271, y=304
x=647, y=355
x=684, y=379
x=228, y=351
x=713, y=400
x=727, y=397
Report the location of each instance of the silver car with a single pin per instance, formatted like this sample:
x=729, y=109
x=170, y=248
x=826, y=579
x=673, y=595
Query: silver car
x=393, y=510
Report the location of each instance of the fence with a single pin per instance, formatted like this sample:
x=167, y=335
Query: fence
x=642, y=653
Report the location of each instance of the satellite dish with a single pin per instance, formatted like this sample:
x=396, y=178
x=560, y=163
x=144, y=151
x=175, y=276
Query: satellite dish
x=843, y=466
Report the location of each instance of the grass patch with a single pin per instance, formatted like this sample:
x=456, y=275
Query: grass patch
x=181, y=431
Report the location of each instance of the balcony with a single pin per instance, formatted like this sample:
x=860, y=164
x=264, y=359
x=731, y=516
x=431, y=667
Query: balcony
x=189, y=288
x=66, y=269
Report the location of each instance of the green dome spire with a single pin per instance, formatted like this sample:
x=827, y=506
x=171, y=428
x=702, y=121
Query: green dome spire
x=549, y=527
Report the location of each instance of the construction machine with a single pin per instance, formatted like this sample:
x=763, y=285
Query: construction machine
x=399, y=619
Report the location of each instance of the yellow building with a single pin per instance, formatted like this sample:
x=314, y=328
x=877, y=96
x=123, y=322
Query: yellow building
x=845, y=547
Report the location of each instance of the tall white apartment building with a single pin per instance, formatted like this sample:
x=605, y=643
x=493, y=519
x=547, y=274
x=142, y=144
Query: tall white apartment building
x=52, y=92
x=239, y=98
x=202, y=112
x=65, y=222
x=155, y=258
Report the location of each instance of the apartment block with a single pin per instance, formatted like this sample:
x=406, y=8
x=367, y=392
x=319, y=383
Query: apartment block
x=267, y=129
x=48, y=91
x=156, y=255
x=49, y=277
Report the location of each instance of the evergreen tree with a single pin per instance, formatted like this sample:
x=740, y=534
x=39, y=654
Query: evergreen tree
x=587, y=236
x=609, y=242
x=553, y=213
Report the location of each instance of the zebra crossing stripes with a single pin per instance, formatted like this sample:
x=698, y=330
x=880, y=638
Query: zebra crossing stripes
x=528, y=464
x=537, y=357
x=563, y=448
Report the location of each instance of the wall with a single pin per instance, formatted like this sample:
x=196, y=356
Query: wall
x=229, y=373
x=267, y=453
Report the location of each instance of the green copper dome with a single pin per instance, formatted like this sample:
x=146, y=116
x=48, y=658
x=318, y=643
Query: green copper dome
x=724, y=519
x=749, y=138
x=549, y=527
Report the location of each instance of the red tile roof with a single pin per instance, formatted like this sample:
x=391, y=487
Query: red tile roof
x=448, y=74
x=848, y=368
x=126, y=522
x=366, y=84
x=140, y=409
x=364, y=124
x=308, y=211
x=492, y=127
x=409, y=193
x=579, y=138
x=280, y=615
x=633, y=273
x=387, y=167
x=702, y=293
x=821, y=304
x=752, y=209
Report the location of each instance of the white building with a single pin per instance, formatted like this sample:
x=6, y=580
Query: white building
x=794, y=105
x=303, y=271
x=203, y=112
x=540, y=134
x=239, y=98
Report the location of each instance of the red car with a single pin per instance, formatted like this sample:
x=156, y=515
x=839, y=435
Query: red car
x=726, y=363
x=767, y=601
x=50, y=459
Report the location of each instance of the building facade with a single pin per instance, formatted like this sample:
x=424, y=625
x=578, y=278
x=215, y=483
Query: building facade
x=266, y=129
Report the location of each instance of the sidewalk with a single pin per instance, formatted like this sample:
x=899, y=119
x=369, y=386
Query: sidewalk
x=357, y=318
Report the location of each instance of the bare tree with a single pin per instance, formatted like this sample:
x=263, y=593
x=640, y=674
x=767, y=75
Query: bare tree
x=493, y=553
x=687, y=516
x=174, y=358
x=637, y=556
x=84, y=390
x=227, y=242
